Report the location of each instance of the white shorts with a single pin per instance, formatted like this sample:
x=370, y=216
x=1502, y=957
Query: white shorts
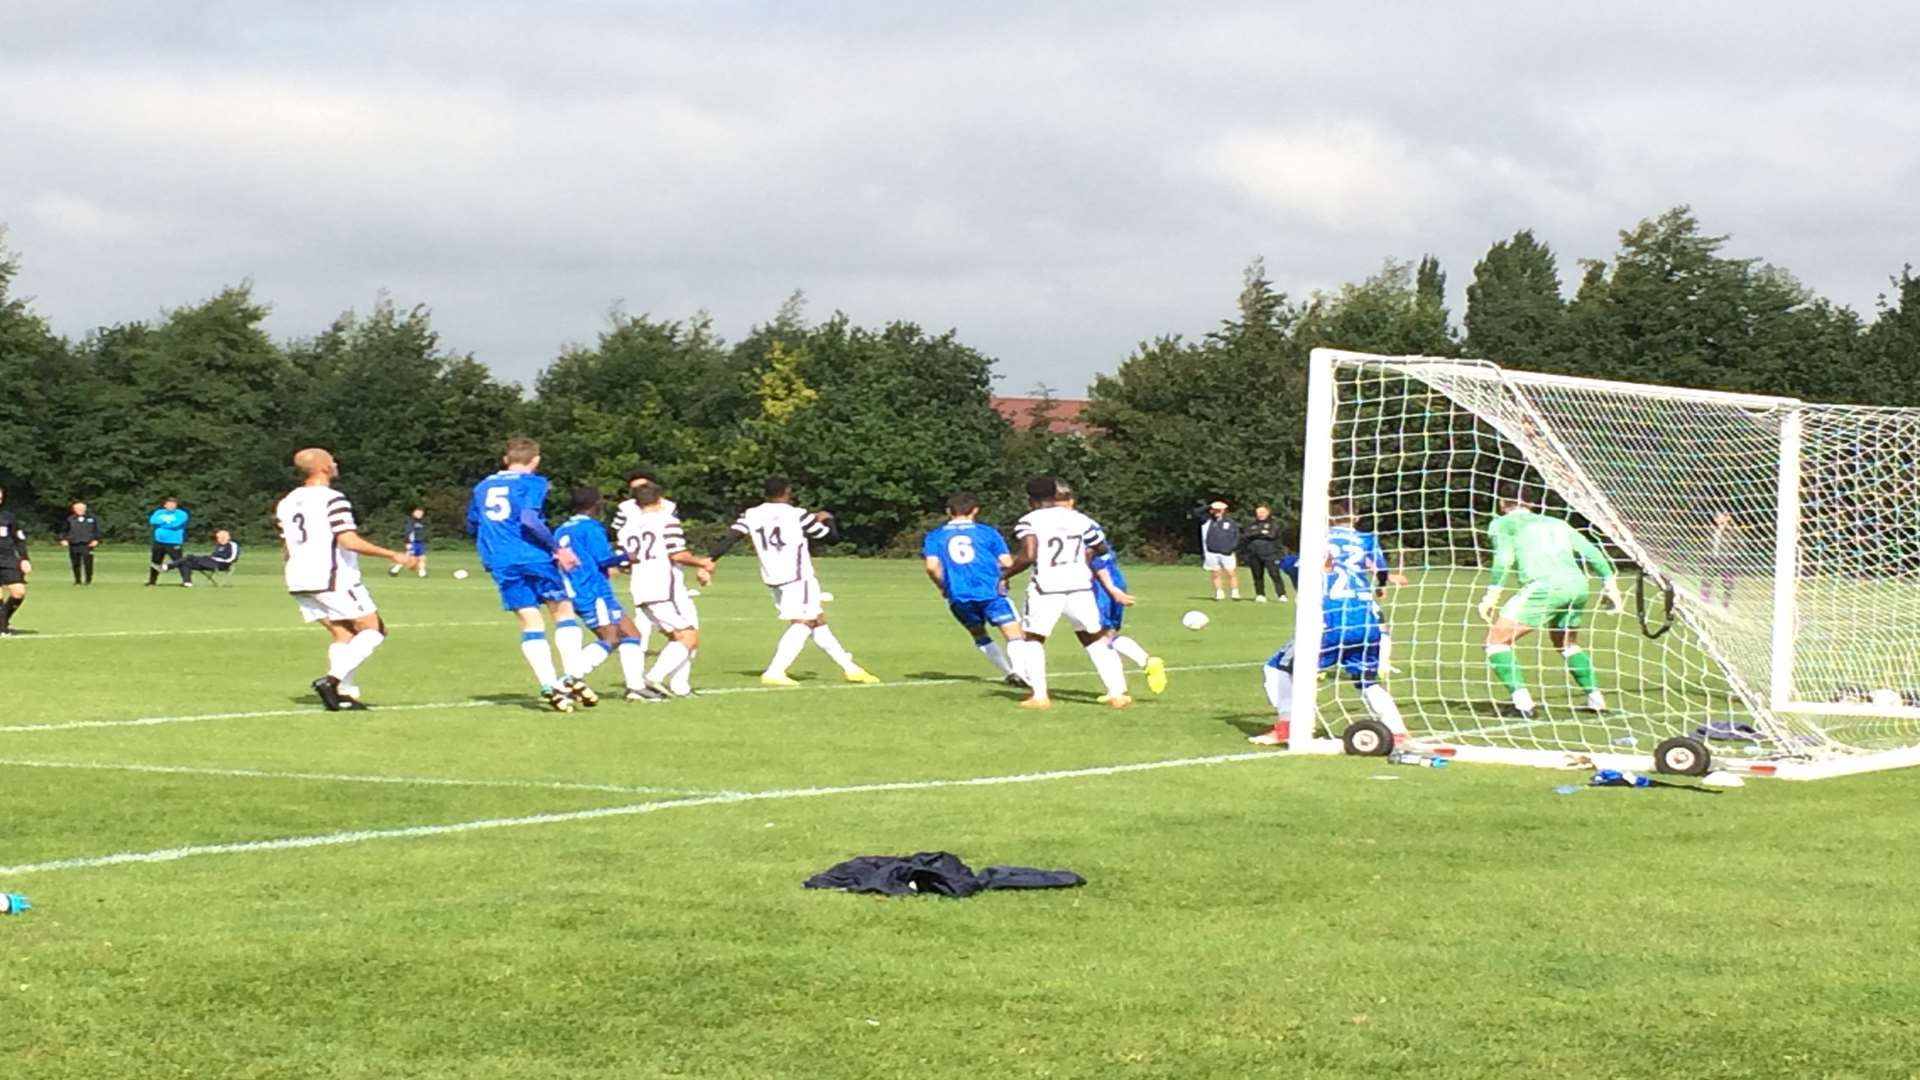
x=336, y=605
x=797, y=601
x=1044, y=610
x=1214, y=561
x=669, y=616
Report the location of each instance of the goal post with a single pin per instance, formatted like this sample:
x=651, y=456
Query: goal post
x=1770, y=549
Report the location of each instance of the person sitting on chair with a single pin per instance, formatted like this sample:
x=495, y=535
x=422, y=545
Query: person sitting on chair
x=221, y=559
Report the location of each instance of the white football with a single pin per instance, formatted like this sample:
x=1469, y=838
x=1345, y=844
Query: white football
x=1886, y=699
x=1194, y=620
x=459, y=575
x=826, y=598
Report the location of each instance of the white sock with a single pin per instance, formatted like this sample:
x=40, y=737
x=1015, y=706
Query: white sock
x=1384, y=709
x=1279, y=690
x=1031, y=662
x=570, y=639
x=995, y=656
x=345, y=658
x=589, y=658
x=1106, y=663
x=1219, y=595
x=533, y=646
x=1386, y=652
x=682, y=681
x=672, y=656
x=633, y=662
x=823, y=637
x=785, y=653
x=1130, y=649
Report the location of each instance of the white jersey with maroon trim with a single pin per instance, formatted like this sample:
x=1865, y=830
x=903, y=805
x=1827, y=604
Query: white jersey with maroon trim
x=311, y=519
x=780, y=532
x=650, y=539
x=1062, y=539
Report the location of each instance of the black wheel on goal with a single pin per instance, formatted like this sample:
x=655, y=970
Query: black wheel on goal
x=1682, y=756
x=1367, y=738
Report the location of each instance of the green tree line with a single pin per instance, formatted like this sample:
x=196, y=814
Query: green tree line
x=879, y=423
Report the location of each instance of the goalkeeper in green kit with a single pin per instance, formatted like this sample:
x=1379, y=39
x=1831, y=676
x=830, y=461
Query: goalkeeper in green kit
x=1551, y=559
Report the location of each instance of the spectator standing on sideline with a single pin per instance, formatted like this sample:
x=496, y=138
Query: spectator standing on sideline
x=1262, y=538
x=80, y=536
x=169, y=538
x=225, y=553
x=14, y=567
x=1219, y=539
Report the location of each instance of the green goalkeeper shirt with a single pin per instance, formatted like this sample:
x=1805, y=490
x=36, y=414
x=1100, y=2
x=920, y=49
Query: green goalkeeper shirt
x=1541, y=548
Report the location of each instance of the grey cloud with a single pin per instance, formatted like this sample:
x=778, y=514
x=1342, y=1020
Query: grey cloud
x=1057, y=181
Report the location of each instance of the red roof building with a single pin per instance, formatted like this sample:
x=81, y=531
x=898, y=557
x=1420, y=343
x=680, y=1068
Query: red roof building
x=1064, y=415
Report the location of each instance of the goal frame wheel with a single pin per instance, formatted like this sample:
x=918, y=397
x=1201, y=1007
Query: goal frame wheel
x=1683, y=756
x=1367, y=738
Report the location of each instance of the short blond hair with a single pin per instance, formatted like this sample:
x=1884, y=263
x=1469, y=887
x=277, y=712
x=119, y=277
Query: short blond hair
x=521, y=451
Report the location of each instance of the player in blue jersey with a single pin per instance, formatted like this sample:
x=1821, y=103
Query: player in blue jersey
x=509, y=527
x=964, y=560
x=591, y=594
x=1351, y=627
x=1110, y=594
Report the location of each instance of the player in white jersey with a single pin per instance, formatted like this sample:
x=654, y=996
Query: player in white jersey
x=780, y=532
x=655, y=544
x=321, y=544
x=1058, y=544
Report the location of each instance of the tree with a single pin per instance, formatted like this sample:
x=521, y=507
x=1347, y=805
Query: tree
x=878, y=425
x=1400, y=310
x=1890, y=350
x=1181, y=423
x=31, y=360
x=1515, y=314
x=412, y=424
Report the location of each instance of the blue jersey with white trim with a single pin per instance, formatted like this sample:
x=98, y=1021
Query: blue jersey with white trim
x=969, y=555
x=587, y=538
x=506, y=518
x=1355, y=561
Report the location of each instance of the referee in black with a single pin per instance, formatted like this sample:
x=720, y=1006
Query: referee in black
x=14, y=567
x=80, y=537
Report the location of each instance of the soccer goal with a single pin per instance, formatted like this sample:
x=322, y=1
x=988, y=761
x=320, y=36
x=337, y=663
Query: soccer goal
x=1767, y=550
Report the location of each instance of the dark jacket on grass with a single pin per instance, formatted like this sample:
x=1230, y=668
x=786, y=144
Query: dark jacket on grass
x=936, y=872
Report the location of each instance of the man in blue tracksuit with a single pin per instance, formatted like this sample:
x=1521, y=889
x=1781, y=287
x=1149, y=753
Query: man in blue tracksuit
x=169, y=539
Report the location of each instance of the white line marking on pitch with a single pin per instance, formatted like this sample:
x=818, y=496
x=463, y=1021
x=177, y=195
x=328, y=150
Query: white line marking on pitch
x=354, y=778
x=409, y=832
x=150, y=721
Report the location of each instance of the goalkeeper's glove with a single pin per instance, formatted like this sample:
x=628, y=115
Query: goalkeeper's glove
x=1489, y=603
x=1610, y=591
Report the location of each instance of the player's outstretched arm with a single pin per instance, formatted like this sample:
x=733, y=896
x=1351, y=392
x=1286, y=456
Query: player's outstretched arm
x=936, y=573
x=359, y=545
x=1029, y=554
x=1120, y=596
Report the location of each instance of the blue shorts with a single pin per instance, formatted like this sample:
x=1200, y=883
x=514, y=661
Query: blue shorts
x=995, y=612
x=416, y=547
x=529, y=585
x=598, y=611
x=1112, y=615
x=1354, y=648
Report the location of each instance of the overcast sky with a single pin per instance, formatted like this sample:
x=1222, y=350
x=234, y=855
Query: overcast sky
x=1057, y=181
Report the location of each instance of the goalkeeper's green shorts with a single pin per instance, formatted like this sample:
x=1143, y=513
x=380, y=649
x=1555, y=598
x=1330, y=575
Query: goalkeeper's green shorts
x=1548, y=604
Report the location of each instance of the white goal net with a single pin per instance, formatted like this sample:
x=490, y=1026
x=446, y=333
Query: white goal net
x=1768, y=552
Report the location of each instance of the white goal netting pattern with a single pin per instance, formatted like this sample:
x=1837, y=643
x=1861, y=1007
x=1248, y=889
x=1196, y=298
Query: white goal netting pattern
x=1684, y=491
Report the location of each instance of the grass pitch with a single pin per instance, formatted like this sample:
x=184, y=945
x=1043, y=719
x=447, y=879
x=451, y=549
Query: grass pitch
x=228, y=882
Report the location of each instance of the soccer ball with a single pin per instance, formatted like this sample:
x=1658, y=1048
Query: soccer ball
x=459, y=575
x=1194, y=620
x=1886, y=699
x=826, y=598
